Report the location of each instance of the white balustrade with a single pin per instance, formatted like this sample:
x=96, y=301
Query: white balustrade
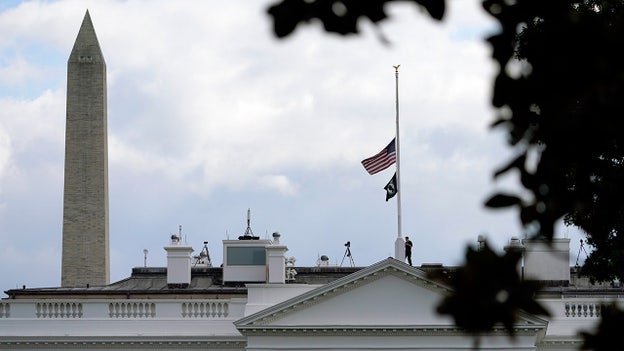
x=132, y=310
x=582, y=309
x=214, y=309
x=102, y=309
x=5, y=310
x=59, y=310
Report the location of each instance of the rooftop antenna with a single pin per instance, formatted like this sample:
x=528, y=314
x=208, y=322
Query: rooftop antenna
x=145, y=257
x=248, y=233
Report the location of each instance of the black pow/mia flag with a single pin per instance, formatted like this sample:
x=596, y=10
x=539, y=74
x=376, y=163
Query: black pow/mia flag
x=391, y=187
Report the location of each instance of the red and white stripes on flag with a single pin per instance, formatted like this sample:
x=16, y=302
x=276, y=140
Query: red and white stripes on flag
x=384, y=159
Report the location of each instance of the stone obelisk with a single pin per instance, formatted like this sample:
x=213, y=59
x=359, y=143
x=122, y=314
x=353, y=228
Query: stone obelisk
x=85, y=259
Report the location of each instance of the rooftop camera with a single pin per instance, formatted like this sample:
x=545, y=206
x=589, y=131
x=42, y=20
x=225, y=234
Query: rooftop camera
x=347, y=254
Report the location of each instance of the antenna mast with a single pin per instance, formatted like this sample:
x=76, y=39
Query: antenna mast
x=248, y=233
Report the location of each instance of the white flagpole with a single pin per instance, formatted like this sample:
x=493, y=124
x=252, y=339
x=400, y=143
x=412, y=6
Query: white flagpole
x=399, y=244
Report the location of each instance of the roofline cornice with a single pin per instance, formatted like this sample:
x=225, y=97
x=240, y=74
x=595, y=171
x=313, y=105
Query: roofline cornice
x=156, y=342
x=370, y=330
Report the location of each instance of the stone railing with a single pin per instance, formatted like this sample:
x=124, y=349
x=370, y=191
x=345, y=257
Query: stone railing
x=214, y=309
x=582, y=309
x=59, y=310
x=103, y=309
x=5, y=310
x=132, y=309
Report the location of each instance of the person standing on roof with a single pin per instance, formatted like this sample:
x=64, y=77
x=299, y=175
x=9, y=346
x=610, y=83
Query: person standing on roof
x=408, y=250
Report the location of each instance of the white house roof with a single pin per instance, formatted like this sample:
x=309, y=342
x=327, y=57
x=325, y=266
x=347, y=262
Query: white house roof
x=388, y=294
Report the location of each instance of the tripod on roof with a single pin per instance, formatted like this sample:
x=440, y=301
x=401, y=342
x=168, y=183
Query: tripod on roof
x=348, y=254
x=581, y=248
x=204, y=257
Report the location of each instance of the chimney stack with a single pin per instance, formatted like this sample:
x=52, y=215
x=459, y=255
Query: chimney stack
x=547, y=261
x=276, y=261
x=178, y=263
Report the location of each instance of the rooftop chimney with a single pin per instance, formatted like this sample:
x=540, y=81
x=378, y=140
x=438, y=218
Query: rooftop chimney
x=547, y=261
x=276, y=261
x=178, y=263
x=516, y=246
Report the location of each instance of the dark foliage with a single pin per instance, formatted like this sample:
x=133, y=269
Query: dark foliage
x=563, y=106
x=608, y=335
x=337, y=16
x=566, y=107
x=560, y=94
x=488, y=290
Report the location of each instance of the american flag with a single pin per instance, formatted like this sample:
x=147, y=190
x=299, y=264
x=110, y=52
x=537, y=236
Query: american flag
x=384, y=159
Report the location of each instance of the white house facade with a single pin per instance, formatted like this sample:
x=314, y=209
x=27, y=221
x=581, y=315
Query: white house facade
x=388, y=305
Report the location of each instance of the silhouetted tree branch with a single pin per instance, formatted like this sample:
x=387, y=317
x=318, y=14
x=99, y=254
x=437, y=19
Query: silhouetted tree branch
x=563, y=107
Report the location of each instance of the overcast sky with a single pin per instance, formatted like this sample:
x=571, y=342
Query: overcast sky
x=210, y=115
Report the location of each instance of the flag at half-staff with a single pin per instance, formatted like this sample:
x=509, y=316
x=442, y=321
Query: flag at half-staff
x=382, y=160
x=391, y=188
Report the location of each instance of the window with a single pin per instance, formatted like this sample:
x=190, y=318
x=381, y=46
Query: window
x=87, y=59
x=246, y=256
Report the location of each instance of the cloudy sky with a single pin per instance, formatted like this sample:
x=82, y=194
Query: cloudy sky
x=210, y=115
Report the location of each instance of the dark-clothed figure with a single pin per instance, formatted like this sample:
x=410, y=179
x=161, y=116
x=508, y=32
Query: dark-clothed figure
x=408, y=250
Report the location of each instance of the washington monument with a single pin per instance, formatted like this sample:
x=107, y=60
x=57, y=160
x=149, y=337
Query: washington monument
x=85, y=204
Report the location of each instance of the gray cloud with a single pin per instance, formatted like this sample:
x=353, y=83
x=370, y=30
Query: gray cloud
x=209, y=115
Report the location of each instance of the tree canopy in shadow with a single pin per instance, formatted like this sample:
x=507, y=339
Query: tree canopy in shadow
x=562, y=108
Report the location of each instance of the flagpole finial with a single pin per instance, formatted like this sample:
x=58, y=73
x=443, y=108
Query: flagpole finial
x=396, y=68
